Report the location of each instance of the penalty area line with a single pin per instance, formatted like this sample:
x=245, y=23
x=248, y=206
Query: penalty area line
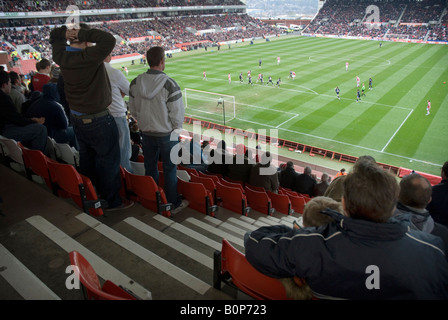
x=396, y=131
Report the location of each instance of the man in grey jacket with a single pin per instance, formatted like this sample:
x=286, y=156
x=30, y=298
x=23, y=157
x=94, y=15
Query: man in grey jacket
x=155, y=100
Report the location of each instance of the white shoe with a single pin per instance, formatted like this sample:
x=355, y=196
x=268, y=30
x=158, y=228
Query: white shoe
x=182, y=206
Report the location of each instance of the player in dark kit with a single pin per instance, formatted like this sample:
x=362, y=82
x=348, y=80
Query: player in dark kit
x=370, y=84
x=337, y=90
x=358, y=96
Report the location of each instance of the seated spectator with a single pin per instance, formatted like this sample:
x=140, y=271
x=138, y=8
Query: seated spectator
x=30, y=131
x=195, y=153
x=219, y=159
x=42, y=76
x=55, y=119
x=16, y=93
x=288, y=176
x=363, y=254
x=321, y=187
x=304, y=182
x=438, y=207
x=415, y=194
x=35, y=95
x=263, y=174
x=241, y=165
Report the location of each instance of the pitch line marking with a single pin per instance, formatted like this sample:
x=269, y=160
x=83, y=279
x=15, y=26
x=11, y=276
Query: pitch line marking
x=344, y=143
x=281, y=124
x=396, y=131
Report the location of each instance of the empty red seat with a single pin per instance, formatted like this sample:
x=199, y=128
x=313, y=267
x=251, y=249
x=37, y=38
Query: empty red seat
x=91, y=285
x=232, y=184
x=77, y=186
x=297, y=203
x=259, y=201
x=208, y=183
x=232, y=199
x=144, y=189
x=232, y=267
x=199, y=197
x=281, y=202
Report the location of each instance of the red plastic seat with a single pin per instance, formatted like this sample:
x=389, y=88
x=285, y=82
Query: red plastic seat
x=259, y=201
x=281, y=203
x=208, y=183
x=91, y=285
x=36, y=163
x=232, y=199
x=144, y=189
x=232, y=184
x=297, y=203
x=191, y=171
x=232, y=267
x=199, y=197
x=77, y=186
x=214, y=177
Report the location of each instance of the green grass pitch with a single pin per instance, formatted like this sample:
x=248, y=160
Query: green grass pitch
x=389, y=122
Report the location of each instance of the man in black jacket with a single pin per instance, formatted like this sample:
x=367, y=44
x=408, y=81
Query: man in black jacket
x=438, y=207
x=415, y=194
x=30, y=131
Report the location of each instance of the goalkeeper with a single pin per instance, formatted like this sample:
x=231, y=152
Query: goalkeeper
x=220, y=102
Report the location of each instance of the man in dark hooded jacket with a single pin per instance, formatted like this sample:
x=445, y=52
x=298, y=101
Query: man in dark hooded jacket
x=55, y=118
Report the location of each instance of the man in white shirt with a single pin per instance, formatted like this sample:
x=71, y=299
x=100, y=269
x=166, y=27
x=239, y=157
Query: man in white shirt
x=120, y=88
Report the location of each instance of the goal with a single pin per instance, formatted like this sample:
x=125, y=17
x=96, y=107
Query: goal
x=211, y=106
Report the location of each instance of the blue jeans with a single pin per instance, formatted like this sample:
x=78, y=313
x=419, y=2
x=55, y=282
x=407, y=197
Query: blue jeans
x=33, y=136
x=99, y=155
x=124, y=140
x=153, y=147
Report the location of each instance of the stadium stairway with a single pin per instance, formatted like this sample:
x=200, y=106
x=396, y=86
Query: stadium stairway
x=155, y=257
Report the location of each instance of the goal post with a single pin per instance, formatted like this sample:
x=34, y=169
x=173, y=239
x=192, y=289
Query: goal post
x=212, y=106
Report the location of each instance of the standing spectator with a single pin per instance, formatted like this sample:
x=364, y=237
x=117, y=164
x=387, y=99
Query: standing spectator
x=120, y=88
x=304, y=182
x=373, y=256
x=438, y=207
x=16, y=93
x=30, y=131
x=322, y=186
x=155, y=100
x=88, y=93
x=55, y=119
x=288, y=176
x=258, y=178
x=415, y=194
x=42, y=76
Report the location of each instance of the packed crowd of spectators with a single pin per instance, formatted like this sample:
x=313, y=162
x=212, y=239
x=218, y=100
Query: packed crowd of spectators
x=61, y=5
x=406, y=19
x=169, y=32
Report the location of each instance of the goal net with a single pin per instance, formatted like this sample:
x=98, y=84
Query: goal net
x=210, y=106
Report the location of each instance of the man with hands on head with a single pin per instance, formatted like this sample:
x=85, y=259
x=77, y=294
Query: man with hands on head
x=88, y=93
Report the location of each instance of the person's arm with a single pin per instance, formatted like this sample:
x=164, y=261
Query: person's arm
x=270, y=251
x=105, y=43
x=58, y=42
x=175, y=105
x=123, y=84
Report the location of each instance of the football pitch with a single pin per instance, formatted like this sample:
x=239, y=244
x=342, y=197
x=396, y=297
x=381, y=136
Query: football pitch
x=389, y=123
